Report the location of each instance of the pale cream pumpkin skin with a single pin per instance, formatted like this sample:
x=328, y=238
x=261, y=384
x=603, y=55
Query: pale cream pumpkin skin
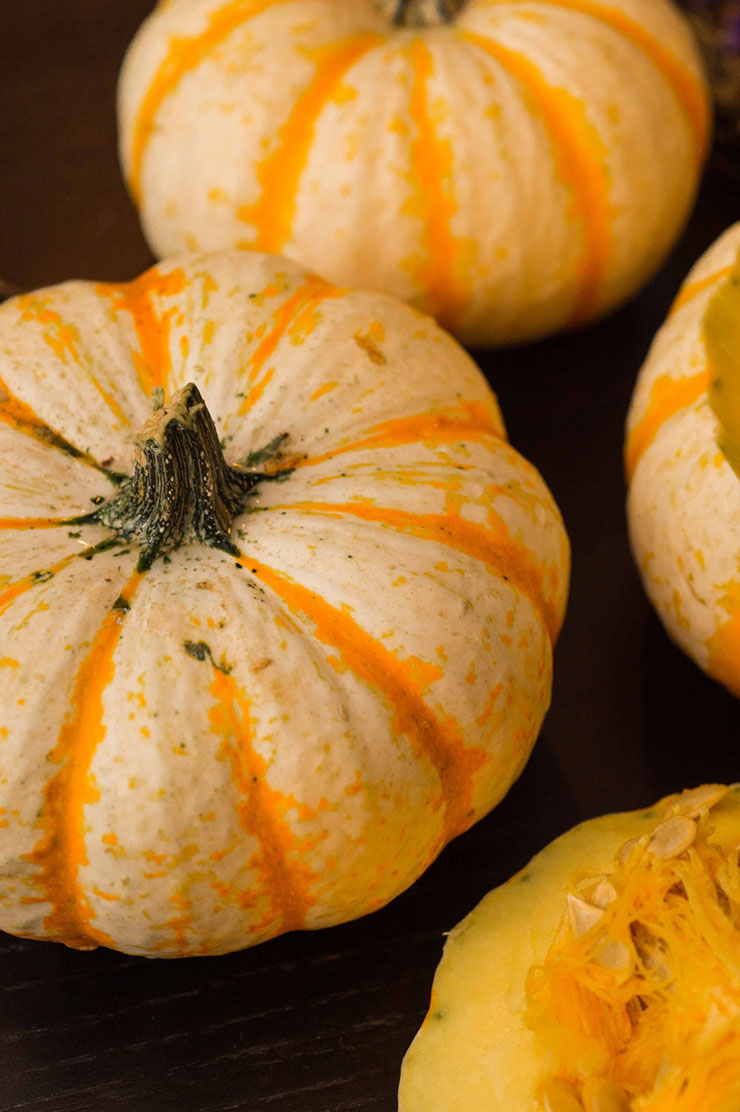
x=521, y=168
x=476, y=1050
x=283, y=733
x=684, y=497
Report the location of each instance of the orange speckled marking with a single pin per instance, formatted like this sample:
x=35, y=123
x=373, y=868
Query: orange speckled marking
x=184, y=54
x=61, y=851
x=325, y=389
x=468, y=421
x=280, y=173
x=20, y=416
x=490, y=544
x=580, y=159
x=687, y=87
x=262, y=810
x=403, y=684
x=689, y=290
x=667, y=397
x=182, y=920
x=10, y=593
x=368, y=343
x=153, y=361
x=297, y=314
x=63, y=338
x=443, y=272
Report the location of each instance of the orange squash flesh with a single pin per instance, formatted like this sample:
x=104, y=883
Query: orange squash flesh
x=595, y=979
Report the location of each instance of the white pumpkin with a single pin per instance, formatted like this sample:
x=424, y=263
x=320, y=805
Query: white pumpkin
x=684, y=496
x=249, y=695
x=511, y=167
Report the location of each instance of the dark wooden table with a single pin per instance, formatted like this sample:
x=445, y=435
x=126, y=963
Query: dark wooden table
x=319, y=1022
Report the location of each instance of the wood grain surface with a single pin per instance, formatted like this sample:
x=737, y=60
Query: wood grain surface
x=319, y=1022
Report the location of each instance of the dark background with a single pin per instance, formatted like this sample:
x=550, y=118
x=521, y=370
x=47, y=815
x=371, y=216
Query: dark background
x=319, y=1022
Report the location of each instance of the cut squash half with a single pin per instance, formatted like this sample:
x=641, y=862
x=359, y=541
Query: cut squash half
x=604, y=977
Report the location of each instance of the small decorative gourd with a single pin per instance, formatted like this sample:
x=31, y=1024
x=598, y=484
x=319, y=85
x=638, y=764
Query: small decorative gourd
x=277, y=604
x=510, y=167
x=604, y=977
x=682, y=458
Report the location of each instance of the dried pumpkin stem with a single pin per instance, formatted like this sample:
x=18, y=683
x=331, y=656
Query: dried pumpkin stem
x=182, y=490
x=421, y=13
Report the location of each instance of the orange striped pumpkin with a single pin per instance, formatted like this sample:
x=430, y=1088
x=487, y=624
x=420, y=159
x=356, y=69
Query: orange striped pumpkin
x=252, y=679
x=684, y=496
x=510, y=166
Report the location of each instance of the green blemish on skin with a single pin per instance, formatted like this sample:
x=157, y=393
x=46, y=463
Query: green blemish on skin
x=201, y=650
x=262, y=454
x=42, y=576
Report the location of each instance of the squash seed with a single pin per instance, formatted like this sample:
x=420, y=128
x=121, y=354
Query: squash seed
x=614, y=955
x=557, y=1096
x=603, y=894
x=600, y=1095
x=626, y=850
x=582, y=915
x=694, y=800
x=672, y=837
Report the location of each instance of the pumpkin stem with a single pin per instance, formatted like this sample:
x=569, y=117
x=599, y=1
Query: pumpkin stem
x=182, y=489
x=421, y=13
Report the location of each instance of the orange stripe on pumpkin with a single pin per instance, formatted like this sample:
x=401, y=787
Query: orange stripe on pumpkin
x=10, y=593
x=687, y=87
x=467, y=422
x=295, y=316
x=22, y=523
x=667, y=397
x=690, y=289
x=403, y=685
x=184, y=54
x=580, y=160
x=280, y=173
x=21, y=417
x=262, y=810
x=63, y=338
x=491, y=544
x=61, y=852
x=442, y=273
x=153, y=361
